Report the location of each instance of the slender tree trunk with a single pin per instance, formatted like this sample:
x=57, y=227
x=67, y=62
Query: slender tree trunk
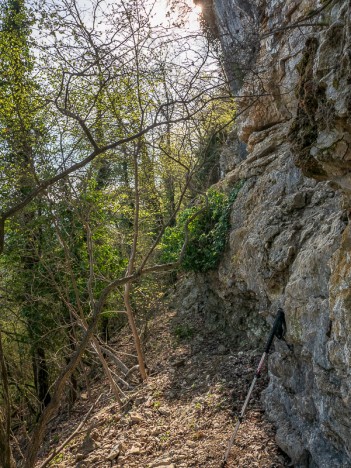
x=73, y=388
x=170, y=194
x=134, y=331
x=35, y=324
x=6, y=459
x=130, y=268
x=107, y=371
x=169, y=179
x=104, y=329
x=41, y=376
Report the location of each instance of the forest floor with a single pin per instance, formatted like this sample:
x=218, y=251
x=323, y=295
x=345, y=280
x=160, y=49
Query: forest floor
x=182, y=417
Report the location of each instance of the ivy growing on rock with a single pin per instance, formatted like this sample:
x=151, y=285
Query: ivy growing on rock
x=207, y=232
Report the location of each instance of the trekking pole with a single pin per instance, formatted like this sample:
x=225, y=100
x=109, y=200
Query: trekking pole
x=278, y=330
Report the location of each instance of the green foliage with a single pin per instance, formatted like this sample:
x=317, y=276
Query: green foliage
x=207, y=232
x=184, y=331
x=65, y=246
x=22, y=130
x=59, y=458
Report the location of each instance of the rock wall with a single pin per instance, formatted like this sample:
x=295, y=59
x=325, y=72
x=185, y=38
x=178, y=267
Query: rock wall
x=290, y=242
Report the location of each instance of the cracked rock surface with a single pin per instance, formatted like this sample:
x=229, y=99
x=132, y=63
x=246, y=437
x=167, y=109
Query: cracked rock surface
x=290, y=239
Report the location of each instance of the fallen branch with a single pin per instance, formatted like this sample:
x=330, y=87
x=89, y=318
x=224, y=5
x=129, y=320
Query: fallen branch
x=107, y=350
x=131, y=370
x=121, y=382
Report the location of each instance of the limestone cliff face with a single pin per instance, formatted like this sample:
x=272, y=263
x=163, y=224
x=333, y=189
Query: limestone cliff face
x=290, y=242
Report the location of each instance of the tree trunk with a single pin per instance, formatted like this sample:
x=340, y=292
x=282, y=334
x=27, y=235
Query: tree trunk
x=41, y=376
x=134, y=330
x=104, y=329
x=73, y=387
x=6, y=459
x=170, y=195
x=128, y=285
x=113, y=385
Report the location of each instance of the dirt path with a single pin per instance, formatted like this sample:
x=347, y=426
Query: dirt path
x=183, y=416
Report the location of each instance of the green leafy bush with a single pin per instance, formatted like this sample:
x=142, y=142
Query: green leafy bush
x=208, y=232
x=184, y=331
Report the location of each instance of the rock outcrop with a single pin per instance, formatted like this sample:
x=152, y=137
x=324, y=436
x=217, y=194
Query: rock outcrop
x=290, y=242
